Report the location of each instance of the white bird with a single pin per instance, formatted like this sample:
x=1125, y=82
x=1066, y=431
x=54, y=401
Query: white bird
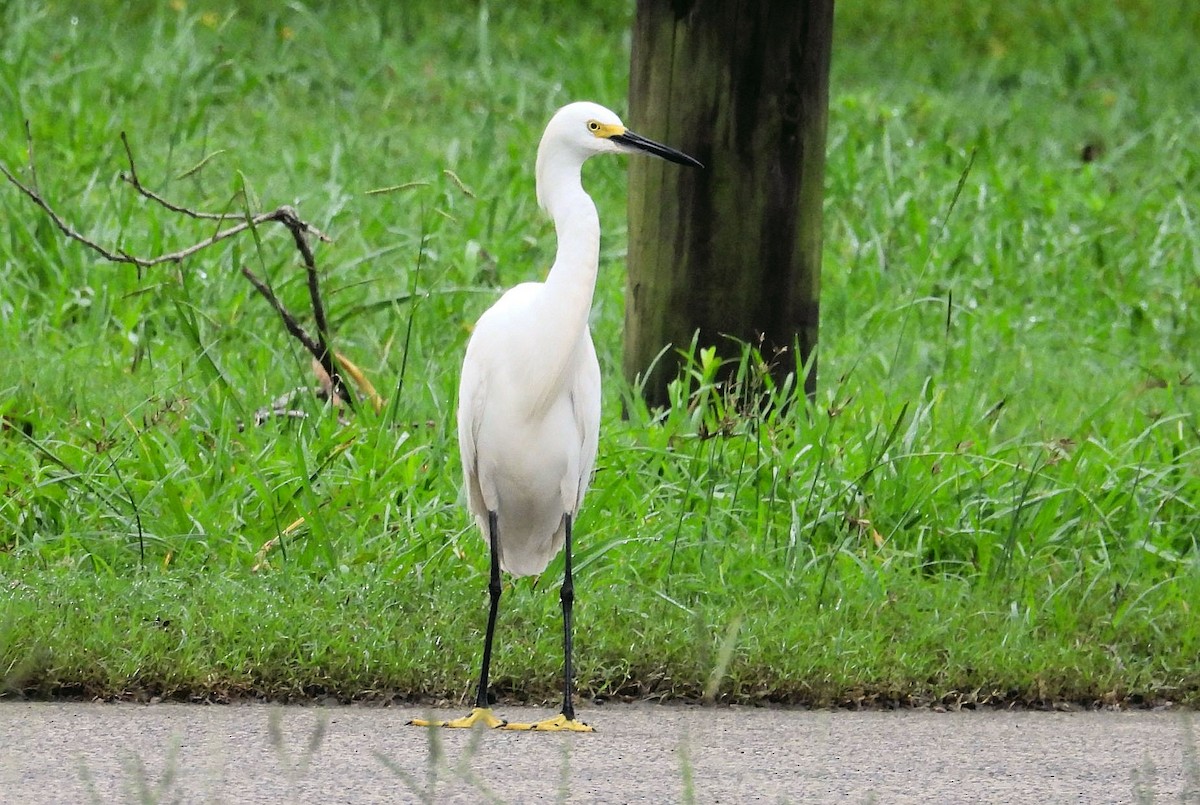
x=529, y=397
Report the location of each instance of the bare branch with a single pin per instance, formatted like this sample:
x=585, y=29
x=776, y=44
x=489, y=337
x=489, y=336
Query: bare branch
x=314, y=295
x=289, y=321
x=136, y=184
x=63, y=225
x=132, y=179
x=122, y=256
x=319, y=348
x=324, y=355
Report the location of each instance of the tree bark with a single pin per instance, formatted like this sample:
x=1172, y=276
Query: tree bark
x=733, y=249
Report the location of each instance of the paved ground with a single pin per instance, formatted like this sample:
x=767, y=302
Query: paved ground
x=67, y=753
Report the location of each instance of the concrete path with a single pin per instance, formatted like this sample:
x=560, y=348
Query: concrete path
x=68, y=753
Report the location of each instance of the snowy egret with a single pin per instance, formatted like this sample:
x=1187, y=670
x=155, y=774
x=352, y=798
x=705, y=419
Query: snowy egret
x=529, y=397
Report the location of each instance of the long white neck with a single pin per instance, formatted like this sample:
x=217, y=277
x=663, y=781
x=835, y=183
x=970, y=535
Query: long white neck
x=571, y=283
x=577, y=226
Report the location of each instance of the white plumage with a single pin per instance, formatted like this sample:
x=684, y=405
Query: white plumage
x=529, y=397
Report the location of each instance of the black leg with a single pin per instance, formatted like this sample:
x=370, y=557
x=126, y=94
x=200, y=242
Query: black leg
x=481, y=698
x=567, y=596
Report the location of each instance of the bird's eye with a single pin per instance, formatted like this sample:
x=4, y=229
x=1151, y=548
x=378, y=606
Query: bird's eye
x=593, y=126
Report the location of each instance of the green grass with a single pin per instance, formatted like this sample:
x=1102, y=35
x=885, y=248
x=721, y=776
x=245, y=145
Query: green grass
x=994, y=497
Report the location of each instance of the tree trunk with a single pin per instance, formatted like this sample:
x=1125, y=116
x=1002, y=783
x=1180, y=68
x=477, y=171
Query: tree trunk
x=733, y=249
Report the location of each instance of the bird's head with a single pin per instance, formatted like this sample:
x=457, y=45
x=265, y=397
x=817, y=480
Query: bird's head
x=584, y=128
x=581, y=130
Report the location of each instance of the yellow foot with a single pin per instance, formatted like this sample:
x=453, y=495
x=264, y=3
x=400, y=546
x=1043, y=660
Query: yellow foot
x=559, y=723
x=480, y=715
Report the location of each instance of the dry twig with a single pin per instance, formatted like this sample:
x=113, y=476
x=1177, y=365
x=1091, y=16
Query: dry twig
x=318, y=347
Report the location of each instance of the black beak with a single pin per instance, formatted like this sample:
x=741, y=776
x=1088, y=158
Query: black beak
x=657, y=149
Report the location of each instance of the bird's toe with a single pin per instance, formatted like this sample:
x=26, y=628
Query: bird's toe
x=480, y=716
x=559, y=723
